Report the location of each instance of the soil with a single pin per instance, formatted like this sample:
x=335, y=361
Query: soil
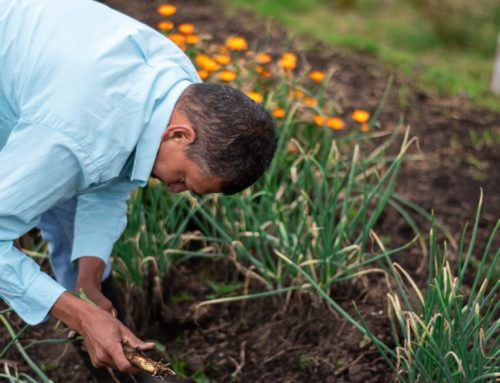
x=297, y=338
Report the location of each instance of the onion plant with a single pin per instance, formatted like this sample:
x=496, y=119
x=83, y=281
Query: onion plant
x=450, y=338
x=318, y=211
x=452, y=333
x=157, y=233
x=317, y=206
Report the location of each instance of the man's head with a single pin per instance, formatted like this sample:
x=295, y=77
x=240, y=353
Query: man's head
x=217, y=140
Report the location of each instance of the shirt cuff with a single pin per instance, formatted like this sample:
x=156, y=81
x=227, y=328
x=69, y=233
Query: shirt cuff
x=34, y=306
x=92, y=245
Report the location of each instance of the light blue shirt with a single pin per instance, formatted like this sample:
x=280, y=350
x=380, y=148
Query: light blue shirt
x=85, y=94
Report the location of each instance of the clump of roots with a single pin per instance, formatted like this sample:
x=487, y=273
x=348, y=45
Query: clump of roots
x=138, y=359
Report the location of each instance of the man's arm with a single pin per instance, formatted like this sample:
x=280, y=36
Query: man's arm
x=100, y=219
x=38, y=169
x=36, y=173
x=90, y=271
x=103, y=334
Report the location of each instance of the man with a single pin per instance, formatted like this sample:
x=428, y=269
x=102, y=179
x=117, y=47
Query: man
x=92, y=103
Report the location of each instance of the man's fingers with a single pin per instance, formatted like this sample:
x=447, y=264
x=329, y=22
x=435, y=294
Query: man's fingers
x=104, y=303
x=135, y=342
x=103, y=337
x=112, y=357
x=121, y=362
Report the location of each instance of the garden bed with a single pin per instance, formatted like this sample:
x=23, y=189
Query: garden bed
x=280, y=339
x=297, y=338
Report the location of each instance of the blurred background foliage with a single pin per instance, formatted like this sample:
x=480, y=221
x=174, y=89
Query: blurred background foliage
x=447, y=45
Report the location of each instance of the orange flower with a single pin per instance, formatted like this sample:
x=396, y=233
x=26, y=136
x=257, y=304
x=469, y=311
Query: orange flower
x=309, y=101
x=166, y=10
x=236, y=43
x=335, y=123
x=263, y=58
x=279, y=113
x=360, y=116
x=178, y=39
x=365, y=127
x=263, y=72
x=288, y=61
x=192, y=39
x=227, y=75
x=319, y=120
x=186, y=29
x=165, y=26
x=297, y=94
x=223, y=59
x=288, y=65
x=289, y=56
x=203, y=74
x=257, y=97
x=317, y=76
x=206, y=63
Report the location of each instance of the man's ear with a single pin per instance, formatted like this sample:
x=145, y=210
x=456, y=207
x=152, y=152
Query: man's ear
x=183, y=133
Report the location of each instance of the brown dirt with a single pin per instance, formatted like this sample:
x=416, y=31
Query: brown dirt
x=300, y=340
x=280, y=339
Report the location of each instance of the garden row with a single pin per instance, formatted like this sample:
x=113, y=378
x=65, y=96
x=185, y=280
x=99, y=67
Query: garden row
x=311, y=222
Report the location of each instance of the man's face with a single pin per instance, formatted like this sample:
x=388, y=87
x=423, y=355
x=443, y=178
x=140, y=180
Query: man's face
x=175, y=169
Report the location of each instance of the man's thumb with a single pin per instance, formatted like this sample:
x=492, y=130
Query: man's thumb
x=146, y=345
x=136, y=343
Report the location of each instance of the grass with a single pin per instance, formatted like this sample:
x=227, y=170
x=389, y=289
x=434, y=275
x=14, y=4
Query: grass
x=402, y=36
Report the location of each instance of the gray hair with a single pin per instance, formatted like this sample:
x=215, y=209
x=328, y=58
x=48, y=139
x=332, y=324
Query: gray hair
x=236, y=137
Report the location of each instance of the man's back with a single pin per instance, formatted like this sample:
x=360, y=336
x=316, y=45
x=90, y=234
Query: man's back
x=82, y=68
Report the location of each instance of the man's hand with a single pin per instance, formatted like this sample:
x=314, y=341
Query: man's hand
x=90, y=270
x=103, y=334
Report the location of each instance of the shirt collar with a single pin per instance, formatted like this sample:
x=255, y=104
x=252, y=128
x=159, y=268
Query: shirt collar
x=150, y=140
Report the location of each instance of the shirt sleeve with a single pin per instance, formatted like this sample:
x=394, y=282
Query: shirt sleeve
x=39, y=168
x=100, y=219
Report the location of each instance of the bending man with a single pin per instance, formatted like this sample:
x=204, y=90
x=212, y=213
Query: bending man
x=92, y=103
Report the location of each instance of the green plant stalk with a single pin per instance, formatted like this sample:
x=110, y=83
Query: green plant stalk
x=383, y=101
x=418, y=209
x=250, y=297
x=23, y=353
x=10, y=378
x=13, y=340
x=334, y=304
x=300, y=242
